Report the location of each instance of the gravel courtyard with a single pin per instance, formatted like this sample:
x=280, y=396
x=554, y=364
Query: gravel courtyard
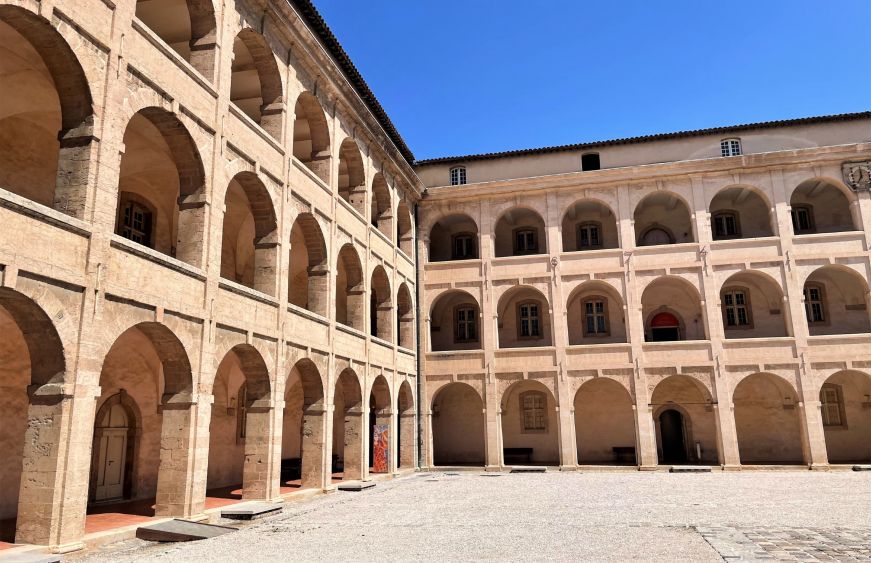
x=791, y=515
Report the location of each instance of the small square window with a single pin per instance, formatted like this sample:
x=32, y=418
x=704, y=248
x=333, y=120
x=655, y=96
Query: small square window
x=730, y=147
x=590, y=161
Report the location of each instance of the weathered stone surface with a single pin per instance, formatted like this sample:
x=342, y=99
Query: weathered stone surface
x=180, y=531
x=356, y=486
x=690, y=469
x=250, y=510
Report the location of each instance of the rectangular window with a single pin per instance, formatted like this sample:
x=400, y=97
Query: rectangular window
x=529, y=326
x=595, y=318
x=136, y=223
x=589, y=236
x=813, y=304
x=832, y=405
x=726, y=226
x=466, y=325
x=736, y=309
x=534, y=404
x=590, y=161
x=525, y=242
x=730, y=147
x=458, y=176
x=464, y=247
x=802, y=220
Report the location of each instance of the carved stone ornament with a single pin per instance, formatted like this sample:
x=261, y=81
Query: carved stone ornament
x=857, y=175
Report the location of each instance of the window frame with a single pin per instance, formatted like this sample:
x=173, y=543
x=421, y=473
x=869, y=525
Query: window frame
x=588, y=224
x=723, y=213
x=527, y=303
x=515, y=246
x=728, y=146
x=458, y=176
x=474, y=245
x=812, y=225
x=822, y=301
x=605, y=314
x=126, y=199
x=533, y=393
x=748, y=309
x=475, y=314
x=839, y=403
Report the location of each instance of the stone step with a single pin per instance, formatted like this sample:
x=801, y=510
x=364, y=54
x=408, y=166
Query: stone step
x=492, y=474
x=690, y=469
x=30, y=557
x=250, y=510
x=528, y=469
x=356, y=486
x=862, y=467
x=180, y=530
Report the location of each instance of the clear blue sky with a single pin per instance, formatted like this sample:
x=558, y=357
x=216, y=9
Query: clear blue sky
x=460, y=77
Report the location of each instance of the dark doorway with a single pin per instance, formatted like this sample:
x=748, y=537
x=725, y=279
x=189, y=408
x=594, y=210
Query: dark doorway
x=664, y=327
x=673, y=443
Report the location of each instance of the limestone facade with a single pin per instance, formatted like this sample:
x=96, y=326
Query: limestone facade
x=207, y=261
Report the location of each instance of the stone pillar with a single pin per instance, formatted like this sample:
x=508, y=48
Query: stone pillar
x=175, y=475
x=727, y=434
x=356, y=305
x=318, y=289
x=357, y=198
x=813, y=438
x=76, y=166
x=320, y=164
x=406, y=437
x=384, y=314
x=272, y=118
x=645, y=432
x=192, y=211
x=257, y=473
x=493, y=429
x=203, y=56
x=354, y=436
x=314, y=435
x=266, y=266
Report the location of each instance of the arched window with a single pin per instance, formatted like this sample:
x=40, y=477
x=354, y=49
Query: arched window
x=815, y=304
x=596, y=316
x=465, y=323
x=458, y=175
x=726, y=225
x=533, y=406
x=589, y=235
x=664, y=327
x=528, y=320
x=736, y=309
x=730, y=147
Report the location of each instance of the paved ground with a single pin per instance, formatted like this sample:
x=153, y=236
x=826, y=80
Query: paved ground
x=792, y=515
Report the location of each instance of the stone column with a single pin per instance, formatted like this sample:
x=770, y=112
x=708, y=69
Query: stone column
x=175, y=475
x=314, y=433
x=320, y=164
x=76, y=169
x=266, y=266
x=813, y=437
x=354, y=436
x=272, y=118
x=357, y=198
x=257, y=473
x=203, y=56
x=406, y=438
x=192, y=212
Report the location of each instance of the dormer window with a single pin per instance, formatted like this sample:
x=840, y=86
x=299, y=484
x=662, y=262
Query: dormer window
x=458, y=175
x=590, y=161
x=730, y=147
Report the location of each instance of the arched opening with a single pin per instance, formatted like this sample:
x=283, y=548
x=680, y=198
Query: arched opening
x=836, y=301
x=348, y=427
x=740, y=212
x=160, y=187
x=380, y=423
x=458, y=426
x=381, y=214
x=530, y=428
x=405, y=317
x=381, y=306
x=239, y=430
x=187, y=26
x=589, y=225
x=148, y=373
x=454, y=237
x=405, y=229
x=46, y=119
x=249, y=247
x=524, y=318
x=255, y=82
x=307, y=286
x=352, y=177
x=683, y=415
x=752, y=306
x=595, y=314
x=304, y=430
x=311, y=136
x=350, y=309
x=671, y=308
x=405, y=434
x=604, y=423
x=767, y=420
x=520, y=232
x=819, y=205
x=845, y=403
x=455, y=319
x=662, y=218
x=31, y=354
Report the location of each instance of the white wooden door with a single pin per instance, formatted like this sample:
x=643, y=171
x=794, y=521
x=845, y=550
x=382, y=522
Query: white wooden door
x=112, y=456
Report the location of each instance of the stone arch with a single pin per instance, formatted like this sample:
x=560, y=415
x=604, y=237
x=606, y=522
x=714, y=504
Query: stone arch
x=458, y=426
x=595, y=314
x=307, y=286
x=767, y=420
x=524, y=318
x=405, y=434
x=162, y=173
x=404, y=317
x=381, y=214
x=348, y=431
x=823, y=205
x=350, y=308
x=304, y=428
x=380, y=425
x=519, y=231
x=455, y=322
x=752, y=306
x=845, y=403
x=604, y=423
x=692, y=399
x=529, y=420
x=836, y=301
x=589, y=224
x=187, y=26
x=678, y=297
x=43, y=343
x=381, y=305
x=249, y=249
x=454, y=237
x=352, y=175
x=50, y=105
x=740, y=212
x=311, y=136
x=405, y=229
x=255, y=84
x=662, y=217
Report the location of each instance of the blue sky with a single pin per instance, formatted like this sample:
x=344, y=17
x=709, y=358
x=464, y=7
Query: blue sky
x=481, y=76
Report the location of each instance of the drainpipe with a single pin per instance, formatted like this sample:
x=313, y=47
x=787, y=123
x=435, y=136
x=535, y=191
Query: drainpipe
x=417, y=343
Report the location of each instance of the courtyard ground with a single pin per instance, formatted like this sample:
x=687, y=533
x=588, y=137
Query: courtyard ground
x=602, y=516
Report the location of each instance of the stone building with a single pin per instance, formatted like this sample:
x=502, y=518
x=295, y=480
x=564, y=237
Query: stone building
x=212, y=237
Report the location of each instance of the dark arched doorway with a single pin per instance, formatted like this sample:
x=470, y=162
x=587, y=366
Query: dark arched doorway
x=671, y=428
x=664, y=327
